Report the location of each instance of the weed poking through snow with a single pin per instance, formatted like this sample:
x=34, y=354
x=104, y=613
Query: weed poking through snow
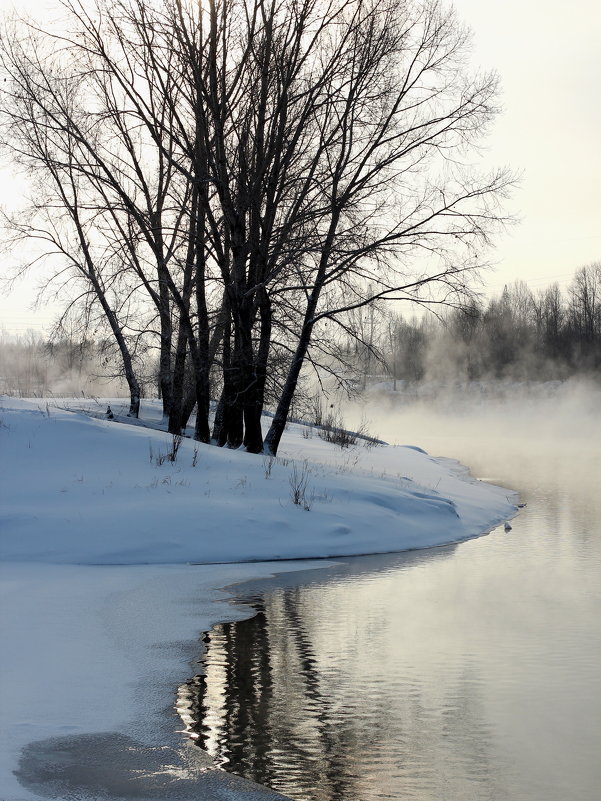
x=168, y=456
x=268, y=465
x=298, y=480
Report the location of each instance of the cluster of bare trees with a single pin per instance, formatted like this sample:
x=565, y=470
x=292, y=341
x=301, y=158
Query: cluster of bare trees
x=520, y=334
x=228, y=181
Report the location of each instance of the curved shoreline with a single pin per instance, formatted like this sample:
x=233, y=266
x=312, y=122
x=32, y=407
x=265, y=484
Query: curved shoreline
x=102, y=606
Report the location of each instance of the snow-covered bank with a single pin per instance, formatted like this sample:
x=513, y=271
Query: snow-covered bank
x=87, y=491
x=101, y=610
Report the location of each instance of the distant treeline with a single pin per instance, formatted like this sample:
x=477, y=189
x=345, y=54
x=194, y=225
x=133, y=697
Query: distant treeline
x=521, y=334
x=545, y=335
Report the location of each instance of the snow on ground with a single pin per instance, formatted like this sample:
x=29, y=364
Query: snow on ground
x=101, y=604
x=80, y=490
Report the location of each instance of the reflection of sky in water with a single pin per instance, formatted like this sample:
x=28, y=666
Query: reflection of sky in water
x=467, y=672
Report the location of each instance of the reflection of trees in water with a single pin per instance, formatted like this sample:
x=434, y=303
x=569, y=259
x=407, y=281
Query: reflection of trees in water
x=335, y=741
x=260, y=710
x=321, y=697
x=229, y=705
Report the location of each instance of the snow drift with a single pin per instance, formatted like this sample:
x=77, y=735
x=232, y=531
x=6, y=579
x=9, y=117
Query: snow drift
x=79, y=490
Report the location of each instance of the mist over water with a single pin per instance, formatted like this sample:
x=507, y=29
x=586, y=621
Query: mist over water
x=496, y=429
x=543, y=413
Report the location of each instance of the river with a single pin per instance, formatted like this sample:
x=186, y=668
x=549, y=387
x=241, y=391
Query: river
x=464, y=672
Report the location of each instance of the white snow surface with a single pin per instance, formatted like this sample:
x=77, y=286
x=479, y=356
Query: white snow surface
x=107, y=559
x=79, y=490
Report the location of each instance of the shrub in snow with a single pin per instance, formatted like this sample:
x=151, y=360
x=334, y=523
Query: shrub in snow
x=298, y=480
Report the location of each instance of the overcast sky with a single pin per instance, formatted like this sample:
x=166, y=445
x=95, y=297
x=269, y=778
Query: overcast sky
x=548, y=56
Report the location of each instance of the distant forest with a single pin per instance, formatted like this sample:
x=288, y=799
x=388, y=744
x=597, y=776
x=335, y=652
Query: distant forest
x=520, y=334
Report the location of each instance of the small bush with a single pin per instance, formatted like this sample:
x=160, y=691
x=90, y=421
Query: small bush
x=268, y=465
x=298, y=480
x=332, y=430
x=171, y=454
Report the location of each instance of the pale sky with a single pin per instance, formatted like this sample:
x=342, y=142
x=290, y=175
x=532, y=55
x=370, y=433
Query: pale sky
x=548, y=56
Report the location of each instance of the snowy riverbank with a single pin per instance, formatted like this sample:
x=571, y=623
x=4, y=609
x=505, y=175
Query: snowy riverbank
x=101, y=608
x=79, y=490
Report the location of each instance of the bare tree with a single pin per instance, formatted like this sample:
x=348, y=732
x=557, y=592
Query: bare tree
x=280, y=165
x=585, y=302
x=397, y=113
x=63, y=108
x=551, y=316
x=61, y=217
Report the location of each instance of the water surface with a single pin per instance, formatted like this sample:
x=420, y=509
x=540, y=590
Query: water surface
x=464, y=672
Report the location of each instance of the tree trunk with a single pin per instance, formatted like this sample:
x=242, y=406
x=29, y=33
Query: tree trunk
x=128, y=368
x=274, y=435
x=177, y=387
x=278, y=424
x=233, y=420
x=188, y=405
x=134, y=404
x=219, y=429
x=202, y=432
x=166, y=337
x=253, y=409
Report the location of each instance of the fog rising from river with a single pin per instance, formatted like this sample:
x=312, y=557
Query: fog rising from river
x=491, y=426
x=542, y=411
